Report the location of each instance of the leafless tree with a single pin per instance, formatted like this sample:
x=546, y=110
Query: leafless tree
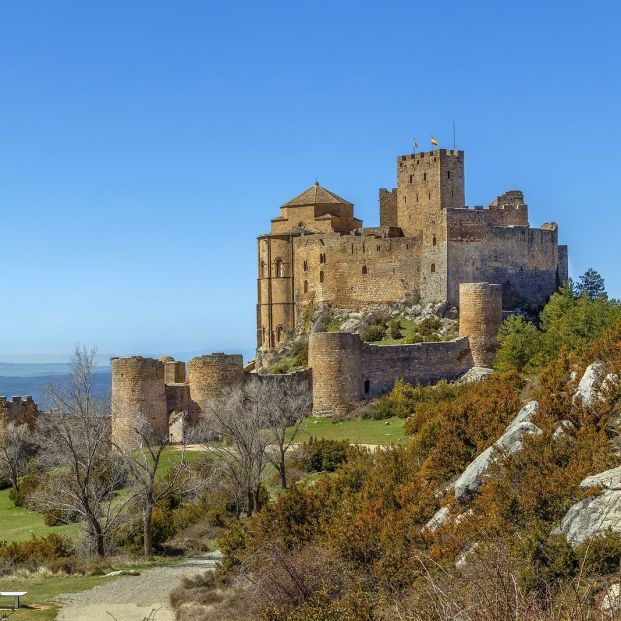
x=76, y=451
x=237, y=418
x=284, y=407
x=16, y=448
x=143, y=451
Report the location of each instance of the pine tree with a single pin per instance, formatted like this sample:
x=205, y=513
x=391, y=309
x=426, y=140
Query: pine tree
x=592, y=284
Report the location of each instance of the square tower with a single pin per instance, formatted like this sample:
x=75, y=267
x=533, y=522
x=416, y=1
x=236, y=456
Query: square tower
x=427, y=183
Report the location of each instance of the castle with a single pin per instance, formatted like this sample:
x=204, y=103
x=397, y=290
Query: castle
x=429, y=246
x=428, y=242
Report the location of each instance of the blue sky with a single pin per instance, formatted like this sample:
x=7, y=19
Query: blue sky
x=145, y=144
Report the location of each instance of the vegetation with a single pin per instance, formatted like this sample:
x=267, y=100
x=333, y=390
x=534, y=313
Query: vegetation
x=572, y=319
x=356, y=431
x=354, y=545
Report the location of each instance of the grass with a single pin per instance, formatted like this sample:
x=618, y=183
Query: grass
x=19, y=524
x=359, y=431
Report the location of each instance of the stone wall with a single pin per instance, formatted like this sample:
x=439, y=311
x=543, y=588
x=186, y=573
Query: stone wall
x=480, y=316
x=347, y=371
x=18, y=410
x=428, y=182
x=523, y=260
x=353, y=271
x=209, y=378
x=138, y=393
x=388, y=207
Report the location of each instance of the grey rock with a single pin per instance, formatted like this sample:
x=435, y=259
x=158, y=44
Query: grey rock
x=591, y=381
x=439, y=518
x=475, y=374
x=609, y=479
x=562, y=429
x=510, y=442
x=592, y=516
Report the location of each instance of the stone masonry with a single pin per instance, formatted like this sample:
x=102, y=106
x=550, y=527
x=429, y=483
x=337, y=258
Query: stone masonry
x=428, y=243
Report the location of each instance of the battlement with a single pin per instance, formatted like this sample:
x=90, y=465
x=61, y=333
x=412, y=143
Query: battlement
x=18, y=410
x=421, y=155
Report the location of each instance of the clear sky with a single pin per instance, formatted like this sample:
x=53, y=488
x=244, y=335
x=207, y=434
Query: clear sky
x=144, y=145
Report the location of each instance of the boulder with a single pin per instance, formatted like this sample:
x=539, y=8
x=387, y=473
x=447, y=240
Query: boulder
x=611, y=601
x=438, y=519
x=475, y=374
x=592, y=516
x=510, y=442
x=590, y=383
x=609, y=479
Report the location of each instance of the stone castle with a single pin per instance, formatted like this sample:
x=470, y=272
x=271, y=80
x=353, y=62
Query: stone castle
x=429, y=246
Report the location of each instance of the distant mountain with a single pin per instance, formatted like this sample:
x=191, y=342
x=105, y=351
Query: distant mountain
x=31, y=379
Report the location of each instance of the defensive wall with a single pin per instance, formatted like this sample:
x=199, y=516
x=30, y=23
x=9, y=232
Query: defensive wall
x=173, y=396
x=18, y=410
x=427, y=244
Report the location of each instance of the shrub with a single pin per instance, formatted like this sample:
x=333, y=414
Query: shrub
x=428, y=326
x=36, y=550
x=394, y=329
x=323, y=455
x=519, y=343
x=375, y=332
x=413, y=338
x=284, y=365
x=601, y=554
x=301, y=358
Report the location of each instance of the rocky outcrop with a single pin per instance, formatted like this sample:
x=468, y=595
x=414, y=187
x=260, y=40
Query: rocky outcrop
x=475, y=374
x=597, y=514
x=510, y=442
x=440, y=517
x=590, y=384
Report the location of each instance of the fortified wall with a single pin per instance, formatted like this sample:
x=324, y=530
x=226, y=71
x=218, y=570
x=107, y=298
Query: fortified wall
x=173, y=396
x=428, y=243
x=343, y=371
x=17, y=410
x=347, y=371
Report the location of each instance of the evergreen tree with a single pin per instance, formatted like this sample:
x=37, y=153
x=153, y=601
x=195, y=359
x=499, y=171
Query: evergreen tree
x=592, y=284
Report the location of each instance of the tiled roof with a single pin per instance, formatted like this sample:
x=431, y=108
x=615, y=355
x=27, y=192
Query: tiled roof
x=316, y=195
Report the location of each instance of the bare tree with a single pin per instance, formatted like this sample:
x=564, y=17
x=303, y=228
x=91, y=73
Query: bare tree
x=16, y=448
x=238, y=418
x=76, y=451
x=284, y=407
x=143, y=452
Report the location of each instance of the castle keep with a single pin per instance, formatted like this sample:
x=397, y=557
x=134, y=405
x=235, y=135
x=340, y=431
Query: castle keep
x=427, y=244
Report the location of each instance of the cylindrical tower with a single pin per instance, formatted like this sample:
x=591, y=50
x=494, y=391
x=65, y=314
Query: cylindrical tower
x=335, y=360
x=480, y=316
x=138, y=392
x=209, y=378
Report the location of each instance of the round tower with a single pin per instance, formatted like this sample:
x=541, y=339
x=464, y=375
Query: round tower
x=138, y=392
x=210, y=377
x=480, y=316
x=335, y=360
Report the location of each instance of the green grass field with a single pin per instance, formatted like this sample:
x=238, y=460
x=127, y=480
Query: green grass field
x=18, y=524
x=359, y=431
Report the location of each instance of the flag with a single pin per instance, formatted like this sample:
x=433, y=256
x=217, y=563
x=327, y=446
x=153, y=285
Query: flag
x=434, y=141
x=415, y=144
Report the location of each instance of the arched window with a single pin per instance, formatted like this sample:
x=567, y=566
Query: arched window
x=433, y=268
x=322, y=258
x=320, y=276
x=306, y=286
x=280, y=334
x=306, y=266
x=280, y=268
x=364, y=269
x=434, y=241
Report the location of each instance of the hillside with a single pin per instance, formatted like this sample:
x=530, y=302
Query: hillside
x=503, y=503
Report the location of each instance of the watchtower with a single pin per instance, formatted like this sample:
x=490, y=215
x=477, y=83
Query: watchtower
x=427, y=183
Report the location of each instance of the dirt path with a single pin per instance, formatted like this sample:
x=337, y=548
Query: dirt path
x=132, y=598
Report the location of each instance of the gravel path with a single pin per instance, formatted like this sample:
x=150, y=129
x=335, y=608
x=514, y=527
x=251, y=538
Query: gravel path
x=133, y=598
